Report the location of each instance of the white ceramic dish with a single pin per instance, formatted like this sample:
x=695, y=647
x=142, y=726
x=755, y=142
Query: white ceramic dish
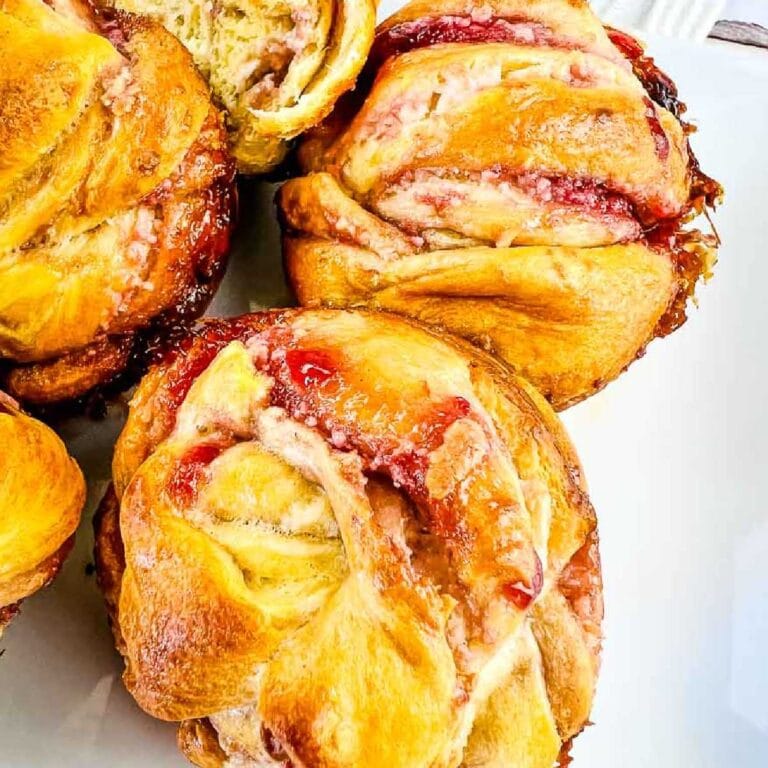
x=675, y=453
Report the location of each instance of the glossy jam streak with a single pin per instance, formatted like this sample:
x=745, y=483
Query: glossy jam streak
x=450, y=411
x=520, y=594
x=628, y=46
x=583, y=193
x=310, y=367
x=587, y=194
x=411, y=35
x=309, y=384
x=184, y=376
x=432, y=431
x=405, y=460
x=194, y=353
x=659, y=137
x=408, y=468
x=705, y=191
x=184, y=484
x=657, y=84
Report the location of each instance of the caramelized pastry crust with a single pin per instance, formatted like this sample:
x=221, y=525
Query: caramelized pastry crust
x=516, y=173
x=116, y=193
x=340, y=539
x=277, y=68
x=41, y=496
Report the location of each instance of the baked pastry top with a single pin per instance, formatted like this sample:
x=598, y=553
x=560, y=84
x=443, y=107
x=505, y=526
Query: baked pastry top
x=116, y=192
x=277, y=68
x=41, y=496
x=516, y=173
x=340, y=539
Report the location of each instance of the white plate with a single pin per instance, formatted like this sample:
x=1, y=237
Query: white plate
x=676, y=459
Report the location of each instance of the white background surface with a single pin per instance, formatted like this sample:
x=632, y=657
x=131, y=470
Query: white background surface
x=686, y=19
x=676, y=459
x=755, y=11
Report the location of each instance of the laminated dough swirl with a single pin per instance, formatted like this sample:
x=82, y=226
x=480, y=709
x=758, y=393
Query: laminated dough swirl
x=341, y=539
x=116, y=194
x=515, y=173
x=277, y=68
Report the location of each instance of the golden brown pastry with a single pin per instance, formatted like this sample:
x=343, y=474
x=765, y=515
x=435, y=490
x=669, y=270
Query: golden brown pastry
x=116, y=193
x=277, y=68
x=41, y=496
x=515, y=173
x=339, y=539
